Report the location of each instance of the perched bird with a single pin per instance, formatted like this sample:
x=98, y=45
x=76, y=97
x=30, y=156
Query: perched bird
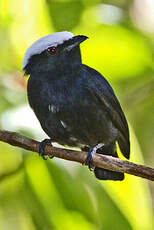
x=74, y=103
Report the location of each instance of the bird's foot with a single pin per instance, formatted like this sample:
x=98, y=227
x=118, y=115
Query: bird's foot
x=89, y=159
x=42, y=147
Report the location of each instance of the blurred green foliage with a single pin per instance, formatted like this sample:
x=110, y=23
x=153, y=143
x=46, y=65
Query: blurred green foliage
x=55, y=194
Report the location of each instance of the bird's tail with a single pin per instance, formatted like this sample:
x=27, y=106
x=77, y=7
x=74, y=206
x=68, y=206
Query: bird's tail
x=104, y=174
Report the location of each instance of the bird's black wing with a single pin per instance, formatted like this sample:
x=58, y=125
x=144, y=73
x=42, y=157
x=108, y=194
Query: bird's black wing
x=100, y=88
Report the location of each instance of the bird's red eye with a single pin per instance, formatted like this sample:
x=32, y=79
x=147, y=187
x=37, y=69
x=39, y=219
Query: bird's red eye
x=52, y=50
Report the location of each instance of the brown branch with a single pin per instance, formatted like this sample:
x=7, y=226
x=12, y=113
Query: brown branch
x=102, y=161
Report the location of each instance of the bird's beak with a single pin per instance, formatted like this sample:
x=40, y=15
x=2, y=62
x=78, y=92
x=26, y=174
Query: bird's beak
x=78, y=39
x=75, y=41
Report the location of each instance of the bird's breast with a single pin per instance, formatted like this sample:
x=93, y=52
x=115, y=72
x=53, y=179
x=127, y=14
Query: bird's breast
x=67, y=112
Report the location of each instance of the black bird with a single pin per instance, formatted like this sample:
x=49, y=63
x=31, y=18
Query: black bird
x=74, y=103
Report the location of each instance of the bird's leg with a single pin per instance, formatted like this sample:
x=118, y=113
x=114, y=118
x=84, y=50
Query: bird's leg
x=42, y=147
x=89, y=160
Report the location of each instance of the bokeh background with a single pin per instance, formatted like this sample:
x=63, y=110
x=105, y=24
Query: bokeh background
x=56, y=194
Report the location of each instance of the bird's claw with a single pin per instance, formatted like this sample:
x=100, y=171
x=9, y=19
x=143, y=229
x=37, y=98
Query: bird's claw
x=42, y=147
x=89, y=161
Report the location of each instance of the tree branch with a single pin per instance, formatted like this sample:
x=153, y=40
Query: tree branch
x=102, y=161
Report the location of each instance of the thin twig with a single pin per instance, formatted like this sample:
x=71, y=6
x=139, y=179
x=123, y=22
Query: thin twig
x=102, y=161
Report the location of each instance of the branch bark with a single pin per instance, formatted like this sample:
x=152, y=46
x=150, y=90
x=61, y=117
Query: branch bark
x=102, y=161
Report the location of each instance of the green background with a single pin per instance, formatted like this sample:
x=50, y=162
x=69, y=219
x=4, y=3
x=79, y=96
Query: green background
x=56, y=194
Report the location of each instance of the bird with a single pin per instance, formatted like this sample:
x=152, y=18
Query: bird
x=74, y=103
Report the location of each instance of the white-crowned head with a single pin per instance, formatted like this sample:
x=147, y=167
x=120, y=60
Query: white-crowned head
x=43, y=43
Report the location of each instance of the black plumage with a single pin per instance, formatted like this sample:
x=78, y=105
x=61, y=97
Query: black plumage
x=75, y=104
